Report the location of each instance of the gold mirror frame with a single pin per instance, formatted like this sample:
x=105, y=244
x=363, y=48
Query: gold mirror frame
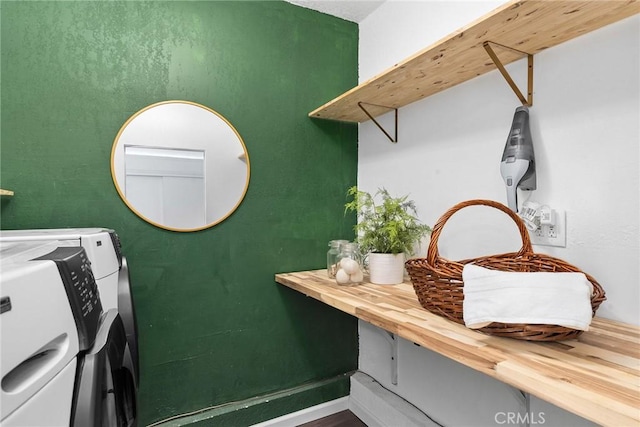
x=117, y=155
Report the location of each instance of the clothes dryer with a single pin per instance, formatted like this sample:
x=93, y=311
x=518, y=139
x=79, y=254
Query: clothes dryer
x=109, y=266
x=83, y=374
x=47, y=319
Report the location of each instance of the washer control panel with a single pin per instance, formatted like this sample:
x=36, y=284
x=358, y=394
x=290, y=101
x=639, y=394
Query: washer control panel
x=82, y=290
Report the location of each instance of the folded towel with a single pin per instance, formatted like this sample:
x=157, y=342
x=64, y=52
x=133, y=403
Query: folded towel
x=562, y=299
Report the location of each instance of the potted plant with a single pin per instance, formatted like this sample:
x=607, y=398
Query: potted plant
x=386, y=231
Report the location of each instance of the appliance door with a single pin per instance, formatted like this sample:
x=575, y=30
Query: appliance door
x=105, y=394
x=128, y=315
x=50, y=406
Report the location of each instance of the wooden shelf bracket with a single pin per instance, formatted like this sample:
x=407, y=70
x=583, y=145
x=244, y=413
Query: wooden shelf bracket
x=528, y=101
x=393, y=139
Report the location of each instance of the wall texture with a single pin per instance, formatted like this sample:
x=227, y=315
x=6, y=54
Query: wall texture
x=586, y=132
x=214, y=327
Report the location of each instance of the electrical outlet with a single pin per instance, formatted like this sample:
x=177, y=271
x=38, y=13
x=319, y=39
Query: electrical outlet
x=552, y=235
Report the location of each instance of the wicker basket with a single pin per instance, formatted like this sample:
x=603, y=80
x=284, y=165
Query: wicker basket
x=438, y=281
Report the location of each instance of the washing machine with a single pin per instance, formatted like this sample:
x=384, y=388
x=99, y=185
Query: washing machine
x=64, y=360
x=109, y=266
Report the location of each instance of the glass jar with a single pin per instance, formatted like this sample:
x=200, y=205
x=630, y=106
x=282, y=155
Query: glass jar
x=332, y=257
x=350, y=270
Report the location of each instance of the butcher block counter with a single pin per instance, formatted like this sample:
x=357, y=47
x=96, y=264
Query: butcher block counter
x=596, y=376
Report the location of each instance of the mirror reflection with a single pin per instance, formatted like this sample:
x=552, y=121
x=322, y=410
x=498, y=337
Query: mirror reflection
x=180, y=166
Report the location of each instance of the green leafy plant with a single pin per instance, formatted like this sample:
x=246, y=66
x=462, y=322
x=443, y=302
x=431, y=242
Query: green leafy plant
x=387, y=227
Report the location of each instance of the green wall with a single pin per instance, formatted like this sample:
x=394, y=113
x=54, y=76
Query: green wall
x=214, y=326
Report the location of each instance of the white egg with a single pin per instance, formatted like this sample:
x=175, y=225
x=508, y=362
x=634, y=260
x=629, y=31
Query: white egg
x=342, y=277
x=357, y=277
x=349, y=265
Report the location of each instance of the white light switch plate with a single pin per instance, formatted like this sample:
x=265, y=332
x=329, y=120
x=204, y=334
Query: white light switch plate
x=552, y=235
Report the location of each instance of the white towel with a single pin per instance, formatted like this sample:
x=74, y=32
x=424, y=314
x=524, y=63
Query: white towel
x=562, y=299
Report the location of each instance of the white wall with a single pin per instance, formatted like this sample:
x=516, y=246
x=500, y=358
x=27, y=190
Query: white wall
x=586, y=130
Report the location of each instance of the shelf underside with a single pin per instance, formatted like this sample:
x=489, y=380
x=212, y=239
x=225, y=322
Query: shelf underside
x=527, y=26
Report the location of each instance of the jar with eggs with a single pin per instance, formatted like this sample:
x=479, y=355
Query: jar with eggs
x=332, y=257
x=349, y=263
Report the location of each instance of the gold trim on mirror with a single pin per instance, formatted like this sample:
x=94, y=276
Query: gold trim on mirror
x=180, y=149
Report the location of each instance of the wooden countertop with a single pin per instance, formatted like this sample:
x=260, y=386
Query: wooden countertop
x=596, y=376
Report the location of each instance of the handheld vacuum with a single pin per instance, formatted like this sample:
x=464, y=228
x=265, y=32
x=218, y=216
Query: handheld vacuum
x=518, y=166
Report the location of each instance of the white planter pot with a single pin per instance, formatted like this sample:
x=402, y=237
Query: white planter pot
x=386, y=269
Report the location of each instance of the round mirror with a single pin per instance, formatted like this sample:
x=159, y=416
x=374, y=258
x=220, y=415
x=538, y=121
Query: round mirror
x=180, y=166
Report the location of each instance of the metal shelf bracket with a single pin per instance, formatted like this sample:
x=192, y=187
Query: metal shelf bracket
x=528, y=101
x=524, y=399
x=393, y=139
x=392, y=339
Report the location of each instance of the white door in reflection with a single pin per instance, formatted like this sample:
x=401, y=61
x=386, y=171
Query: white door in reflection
x=166, y=185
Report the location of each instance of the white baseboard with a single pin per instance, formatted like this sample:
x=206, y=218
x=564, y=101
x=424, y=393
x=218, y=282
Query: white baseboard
x=378, y=407
x=373, y=404
x=309, y=414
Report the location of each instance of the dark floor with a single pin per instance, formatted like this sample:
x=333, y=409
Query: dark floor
x=339, y=419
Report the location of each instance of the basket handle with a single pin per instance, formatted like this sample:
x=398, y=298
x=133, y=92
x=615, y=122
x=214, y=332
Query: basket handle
x=432, y=253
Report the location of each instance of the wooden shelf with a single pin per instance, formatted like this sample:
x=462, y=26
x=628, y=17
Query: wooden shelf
x=6, y=192
x=528, y=25
x=596, y=376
